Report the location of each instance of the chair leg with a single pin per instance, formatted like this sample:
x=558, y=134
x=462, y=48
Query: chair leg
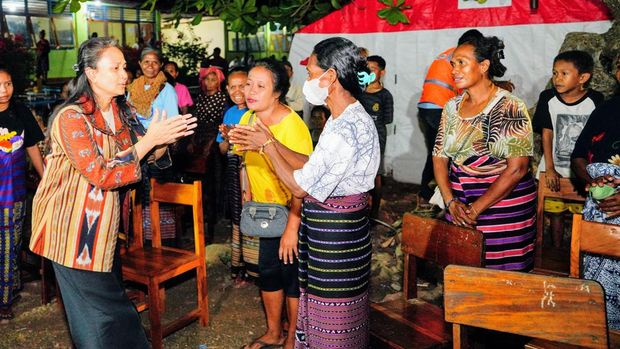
x=203, y=300
x=155, y=315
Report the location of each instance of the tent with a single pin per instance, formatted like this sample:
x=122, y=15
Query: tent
x=532, y=39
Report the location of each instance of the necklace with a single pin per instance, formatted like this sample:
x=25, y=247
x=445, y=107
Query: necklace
x=486, y=102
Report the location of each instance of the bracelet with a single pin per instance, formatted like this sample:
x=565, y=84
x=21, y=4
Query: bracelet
x=262, y=147
x=450, y=202
x=471, y=207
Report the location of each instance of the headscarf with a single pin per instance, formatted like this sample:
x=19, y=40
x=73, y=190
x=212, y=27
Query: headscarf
x=143, y=99
x=204, y=72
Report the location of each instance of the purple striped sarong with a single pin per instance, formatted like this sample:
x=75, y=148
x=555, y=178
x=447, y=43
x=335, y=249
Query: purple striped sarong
x=509, y=226
x=334, y=271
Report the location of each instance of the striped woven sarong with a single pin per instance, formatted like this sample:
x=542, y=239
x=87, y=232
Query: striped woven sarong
x=233, y=191
x=12, y=215
x=334, y=270
x=509, y=226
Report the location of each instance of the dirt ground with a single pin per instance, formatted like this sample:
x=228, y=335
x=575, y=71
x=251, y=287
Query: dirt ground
x=236, y=315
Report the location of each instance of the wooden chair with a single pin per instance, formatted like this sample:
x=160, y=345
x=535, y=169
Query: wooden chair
x=553, y=265
x=152, y=266
x=596, y=238
x=410, y=322
x=562, y=310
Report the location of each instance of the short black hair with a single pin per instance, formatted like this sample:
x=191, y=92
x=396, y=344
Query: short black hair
x=321, y=108
x=287, y=64
x=176, y=66
x=236, y=70
x=279, y=75
x=469, y=35
x=582, y=60
x=377, y=59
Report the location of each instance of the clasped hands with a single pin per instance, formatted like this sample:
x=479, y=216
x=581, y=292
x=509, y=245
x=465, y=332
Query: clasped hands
x=248, y=138
x=462, y=214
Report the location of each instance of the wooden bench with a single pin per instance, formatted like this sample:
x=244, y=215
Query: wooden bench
x=410, y=322
x=558, y=309
x=554, y=263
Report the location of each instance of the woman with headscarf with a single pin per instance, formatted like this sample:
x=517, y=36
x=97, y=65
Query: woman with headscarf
x=210, y=107
x=596, y=161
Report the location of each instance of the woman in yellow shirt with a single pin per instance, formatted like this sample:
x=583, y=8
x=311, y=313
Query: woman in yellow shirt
x=265, y=93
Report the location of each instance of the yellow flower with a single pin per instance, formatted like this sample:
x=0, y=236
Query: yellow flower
x=615, y=160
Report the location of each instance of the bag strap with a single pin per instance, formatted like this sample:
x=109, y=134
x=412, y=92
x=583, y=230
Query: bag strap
x=247, y=178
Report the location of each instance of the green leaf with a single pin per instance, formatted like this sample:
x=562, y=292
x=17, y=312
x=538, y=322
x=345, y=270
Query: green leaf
x=336, y=4
x=403, y=18
x=250, y=6
x=75, y=6
x=384, y=13
x=197, y=19
x=60, y=6
x=386, y=2
x=400, y=3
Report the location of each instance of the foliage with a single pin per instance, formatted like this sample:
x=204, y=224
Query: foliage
x=187, y=52
x=12, y=49
x=393, y=13
x=247, y=16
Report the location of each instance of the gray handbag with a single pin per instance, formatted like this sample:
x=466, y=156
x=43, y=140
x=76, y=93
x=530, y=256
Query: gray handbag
x=263, y=220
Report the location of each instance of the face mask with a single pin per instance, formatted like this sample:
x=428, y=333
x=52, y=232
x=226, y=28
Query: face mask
x=315, y=94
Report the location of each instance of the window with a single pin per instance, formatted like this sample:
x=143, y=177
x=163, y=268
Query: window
x=62, y=31
x=17, y=27
x=131, y=34
x=38, y=24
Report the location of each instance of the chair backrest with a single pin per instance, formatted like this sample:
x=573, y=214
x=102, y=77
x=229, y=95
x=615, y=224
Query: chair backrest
x=440, y=242
x=180, y=194
x=559, y=309
x=567, y=191
x=592, y=237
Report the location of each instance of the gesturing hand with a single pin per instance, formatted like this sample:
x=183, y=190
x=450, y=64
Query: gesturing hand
x=250, y=137
x=163, y=130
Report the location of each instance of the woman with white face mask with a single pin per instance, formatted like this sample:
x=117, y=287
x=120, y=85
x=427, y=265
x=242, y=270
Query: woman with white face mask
x=334, y=243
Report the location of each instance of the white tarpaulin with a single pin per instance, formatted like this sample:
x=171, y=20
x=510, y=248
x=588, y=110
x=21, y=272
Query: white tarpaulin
x=529, y=53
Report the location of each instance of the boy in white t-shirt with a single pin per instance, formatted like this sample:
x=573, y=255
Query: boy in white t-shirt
x=561, y=114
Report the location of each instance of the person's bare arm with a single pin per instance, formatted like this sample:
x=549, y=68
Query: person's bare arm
x=37, y=160
x=551, y=175
x=288, y=243
x=578, y=166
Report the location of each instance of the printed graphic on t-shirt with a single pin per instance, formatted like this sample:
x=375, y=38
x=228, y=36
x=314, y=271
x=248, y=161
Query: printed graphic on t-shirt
x=567, y=130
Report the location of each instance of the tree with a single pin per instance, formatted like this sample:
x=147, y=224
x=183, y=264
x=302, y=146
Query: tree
x=247, y=16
